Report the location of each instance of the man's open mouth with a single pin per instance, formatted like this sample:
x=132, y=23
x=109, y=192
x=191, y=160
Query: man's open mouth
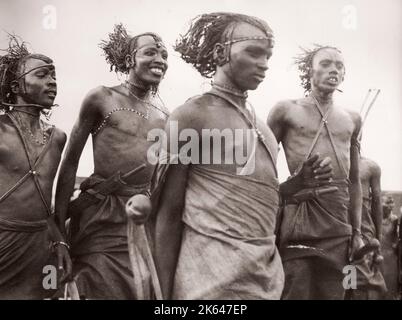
x=333, y=80
x=51, y=93
x=157, y=71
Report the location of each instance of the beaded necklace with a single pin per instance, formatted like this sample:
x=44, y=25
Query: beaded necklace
x=126, y=85
x=229, y=89
x=103, y=123
x=43, y=131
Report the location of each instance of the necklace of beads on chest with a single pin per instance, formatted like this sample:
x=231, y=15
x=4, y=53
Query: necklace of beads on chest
x=148, y=103
x=26, y=128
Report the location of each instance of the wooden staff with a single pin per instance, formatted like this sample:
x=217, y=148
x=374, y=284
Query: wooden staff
x=368, y=110
x=364, y=101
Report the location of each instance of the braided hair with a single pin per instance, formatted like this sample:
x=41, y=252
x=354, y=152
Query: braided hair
x=10, y=64
x=119, y=45
x=197, y=45
x=304, y=62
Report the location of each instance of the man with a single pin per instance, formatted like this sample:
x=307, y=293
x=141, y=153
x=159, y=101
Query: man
x=118, y=118
x=370, y=282
x=30, y=152
x=215, y=220
x=315, y=233
x=389, y=245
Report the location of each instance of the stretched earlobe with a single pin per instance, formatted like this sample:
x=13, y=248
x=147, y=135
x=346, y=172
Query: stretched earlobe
x=15, y=87
x=220, y=54
x=129, y=61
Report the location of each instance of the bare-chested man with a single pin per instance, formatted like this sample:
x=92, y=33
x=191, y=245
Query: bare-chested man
x=370, y=282
x=118, y=118
x=315, y=234
x=30, y=152
x=216, y=219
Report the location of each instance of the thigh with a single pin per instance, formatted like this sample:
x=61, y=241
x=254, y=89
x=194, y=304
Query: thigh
x=328, y=281
x=298, y=279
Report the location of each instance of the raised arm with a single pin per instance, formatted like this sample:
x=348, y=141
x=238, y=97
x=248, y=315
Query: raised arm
x=88, y=116
x=376, y=206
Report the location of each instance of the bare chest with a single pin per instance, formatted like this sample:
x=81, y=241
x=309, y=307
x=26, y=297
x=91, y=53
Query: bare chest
x=306, y=122
x=131, y=121
x=16, y=159
x=241, y=138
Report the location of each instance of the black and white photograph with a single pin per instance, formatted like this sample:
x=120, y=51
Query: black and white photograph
x=200, y=150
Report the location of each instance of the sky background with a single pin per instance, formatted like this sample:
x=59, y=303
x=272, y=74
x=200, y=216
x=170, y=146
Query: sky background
x=367, y=31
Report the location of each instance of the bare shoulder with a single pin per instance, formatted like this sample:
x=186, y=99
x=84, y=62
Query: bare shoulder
x=374, y=168
x=354, y=116
x=96, y=97
x=192, y=113
x=60, y=135
x=281, y=108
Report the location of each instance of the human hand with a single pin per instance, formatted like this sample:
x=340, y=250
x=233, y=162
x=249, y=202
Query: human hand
x=316, y=172
x=64, y=264
x=138, y=208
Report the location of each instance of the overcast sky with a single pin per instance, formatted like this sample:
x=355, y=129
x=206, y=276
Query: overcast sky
x=367, y=31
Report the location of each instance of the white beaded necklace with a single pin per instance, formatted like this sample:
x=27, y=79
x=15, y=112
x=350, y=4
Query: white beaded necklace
x=126, y=85
x=103, y=123
x=44, y=139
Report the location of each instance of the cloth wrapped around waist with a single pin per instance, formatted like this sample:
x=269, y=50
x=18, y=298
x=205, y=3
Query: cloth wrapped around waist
x=316, y=227
x=228, y=248
x=102, y=227
x=22, y=226
x=24, y=251
x=317, y=218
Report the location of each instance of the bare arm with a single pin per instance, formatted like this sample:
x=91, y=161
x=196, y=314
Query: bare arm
x=78, y=138
x=59, y=241
x=276, y=120
x=169, y=226
x=355, y=188
x=376, y=206
x=54, y=230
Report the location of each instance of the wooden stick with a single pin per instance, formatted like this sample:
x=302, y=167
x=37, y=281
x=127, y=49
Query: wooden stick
x=371, y=105
x=71, y=291
x=132, y=172
x=365, y=100
x=367, y=112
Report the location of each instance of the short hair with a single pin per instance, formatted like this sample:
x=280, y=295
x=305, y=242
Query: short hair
x=119, y=45
x=196, y=46
x=10, y=63
x=304, y=62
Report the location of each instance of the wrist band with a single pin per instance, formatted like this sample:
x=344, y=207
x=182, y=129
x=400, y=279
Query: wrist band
x=356, y=231
x=61, y=243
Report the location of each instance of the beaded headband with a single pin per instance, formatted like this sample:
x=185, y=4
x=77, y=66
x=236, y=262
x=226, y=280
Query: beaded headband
x=25, y=73
x=158, y=44
x=270, y=39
